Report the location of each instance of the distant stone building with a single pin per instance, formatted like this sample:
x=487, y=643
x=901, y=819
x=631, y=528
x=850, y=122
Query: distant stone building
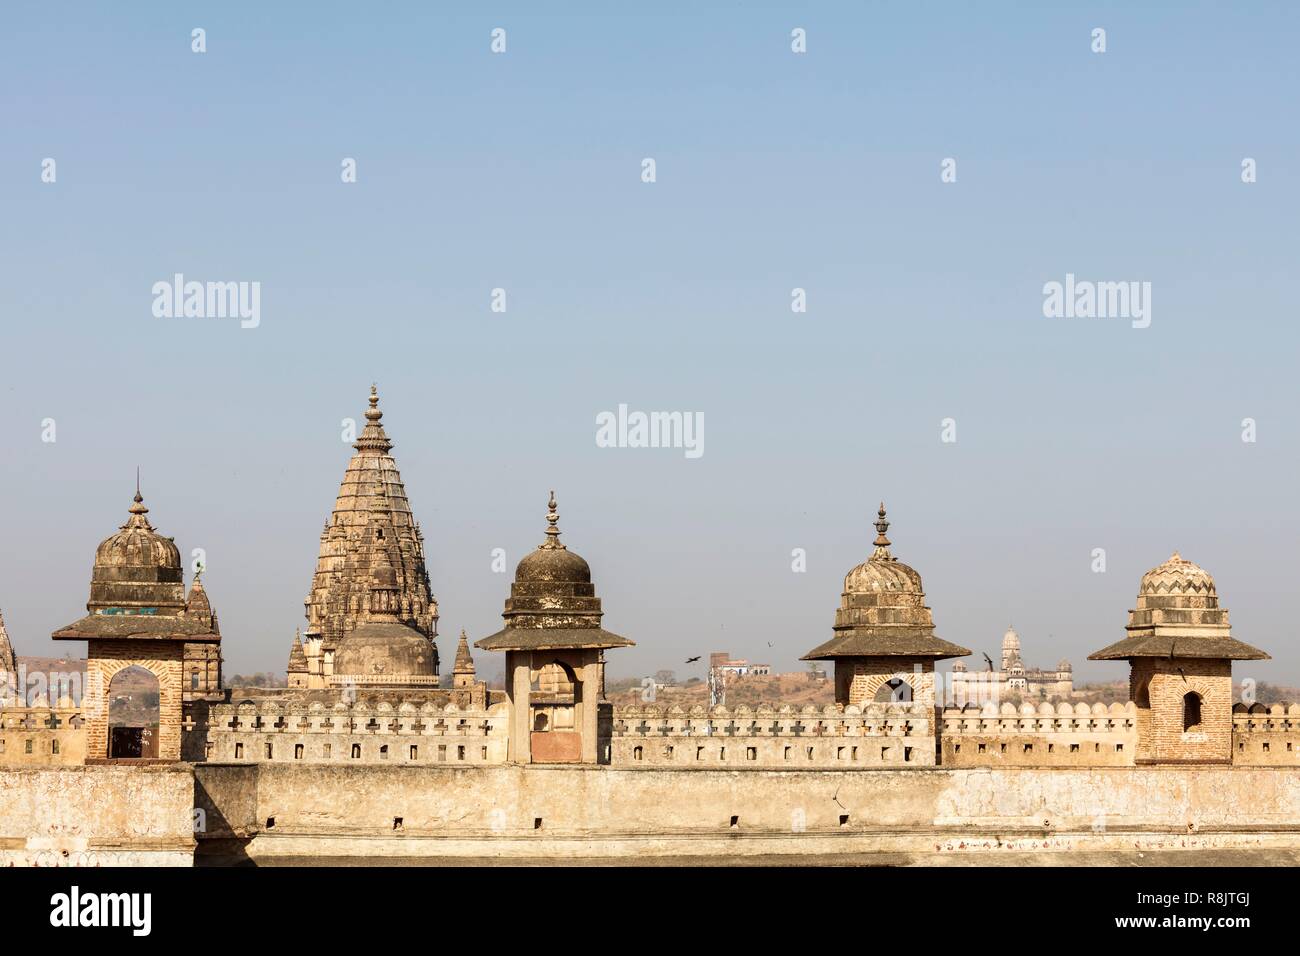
x=1011, y=677
x=723, y=663
x=8, y=661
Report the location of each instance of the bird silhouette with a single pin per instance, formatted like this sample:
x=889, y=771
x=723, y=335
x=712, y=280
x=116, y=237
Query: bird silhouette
x=990, y=660
x=691, y=660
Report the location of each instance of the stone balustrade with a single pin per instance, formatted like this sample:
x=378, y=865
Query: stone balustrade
x=41, y=735
x=1266, y=735
x=1035, y=735
x=833, y=736
x=271, y=730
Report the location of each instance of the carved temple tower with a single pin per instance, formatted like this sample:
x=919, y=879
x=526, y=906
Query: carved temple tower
x=371, y=535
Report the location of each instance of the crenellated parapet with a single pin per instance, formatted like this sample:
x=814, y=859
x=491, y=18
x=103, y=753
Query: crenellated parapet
x=1037, y=735
x=41, y=735
x=402, y=731
x=835, y=736
x=1266, y=735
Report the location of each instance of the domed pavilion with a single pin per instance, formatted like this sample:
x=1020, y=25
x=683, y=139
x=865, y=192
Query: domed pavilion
x=138, y=615
x=1180, y=651
x=884, y=646
x=555, y=656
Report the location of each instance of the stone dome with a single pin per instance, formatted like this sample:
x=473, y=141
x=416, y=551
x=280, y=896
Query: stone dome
x=959, y=667
x=1064, y=665
x=882, y=611
x=1011, y=640
x=1177, y=576
x=882, y=571
x=552, y=562
x=884, y=575
x=1178, y=614
x=552, y=601
x=385, y=652
x=137, y=545
x=137, y=569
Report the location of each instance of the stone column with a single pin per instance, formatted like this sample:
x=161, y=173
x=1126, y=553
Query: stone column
x=589, y=674
x=518, y=683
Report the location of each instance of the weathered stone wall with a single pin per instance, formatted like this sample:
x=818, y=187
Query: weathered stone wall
x=873, y=735
x=97, y=816
x=42, y=736
x=1042, y=735
x=141, y=814
x=591, y=811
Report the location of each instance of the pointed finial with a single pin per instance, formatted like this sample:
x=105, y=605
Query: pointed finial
x=882, y=525
x=373, y=414
x=552, y=522
x=137, y=503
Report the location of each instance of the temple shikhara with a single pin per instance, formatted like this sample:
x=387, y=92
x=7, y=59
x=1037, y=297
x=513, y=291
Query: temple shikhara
x=370, y=596
x=372, y=748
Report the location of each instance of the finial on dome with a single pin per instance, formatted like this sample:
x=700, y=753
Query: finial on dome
x=882, y=525
x=373, y=413
x=137, y=503
x=552, y=522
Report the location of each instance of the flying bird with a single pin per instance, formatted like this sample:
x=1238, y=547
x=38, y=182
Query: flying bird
x=990, y=660
x=691, y=660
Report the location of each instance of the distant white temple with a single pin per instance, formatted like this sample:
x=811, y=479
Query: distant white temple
x=1012, y=677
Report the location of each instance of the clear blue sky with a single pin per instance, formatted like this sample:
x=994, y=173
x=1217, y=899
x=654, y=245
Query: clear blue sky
x=775, y=170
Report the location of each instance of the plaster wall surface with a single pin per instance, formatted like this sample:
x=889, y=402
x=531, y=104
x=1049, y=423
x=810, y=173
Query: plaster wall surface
x=108, y=815
x=368, y=811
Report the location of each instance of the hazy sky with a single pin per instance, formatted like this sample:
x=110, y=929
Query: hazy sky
x=775, y=170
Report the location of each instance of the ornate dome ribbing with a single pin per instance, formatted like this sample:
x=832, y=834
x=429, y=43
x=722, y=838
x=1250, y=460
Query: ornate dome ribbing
x=1178, y=615
x=882, y=611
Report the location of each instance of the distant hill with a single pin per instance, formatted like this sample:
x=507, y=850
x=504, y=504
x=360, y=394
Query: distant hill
x=797, y=689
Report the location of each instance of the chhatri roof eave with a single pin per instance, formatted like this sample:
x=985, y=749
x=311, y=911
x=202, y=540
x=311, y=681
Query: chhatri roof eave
x=1173, y=646
x=896, y=642
x=161, y=627
x=552, y=638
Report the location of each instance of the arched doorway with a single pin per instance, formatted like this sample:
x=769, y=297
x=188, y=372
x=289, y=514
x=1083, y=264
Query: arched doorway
x=1191, y=712
x=133, y=714
x=554, y=696
x=894, y=691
